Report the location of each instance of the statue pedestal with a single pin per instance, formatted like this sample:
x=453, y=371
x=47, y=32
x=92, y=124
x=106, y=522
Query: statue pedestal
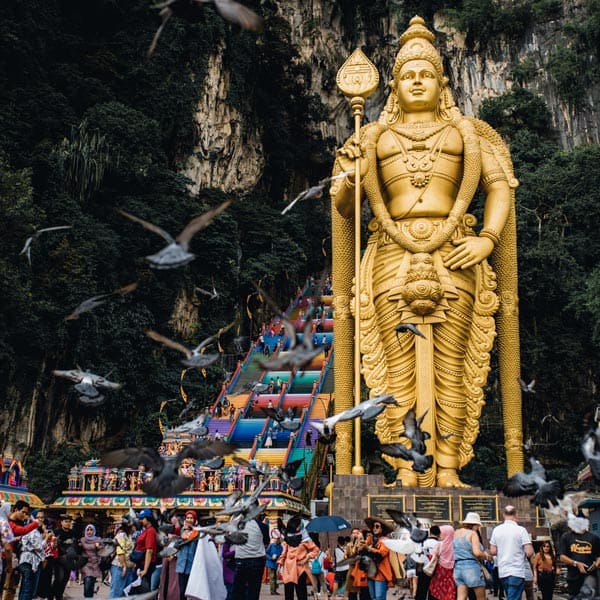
x=358, y=496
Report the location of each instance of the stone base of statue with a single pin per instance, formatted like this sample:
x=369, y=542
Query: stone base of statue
x=355, y=497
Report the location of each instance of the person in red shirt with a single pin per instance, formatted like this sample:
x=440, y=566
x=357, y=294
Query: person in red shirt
x=18, y=521
x=147, y=543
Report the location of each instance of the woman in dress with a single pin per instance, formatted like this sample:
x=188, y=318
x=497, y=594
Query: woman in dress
x=121, y=568
x=90, y=544
x=545, y=570
x=442, y=585
x=468, y=551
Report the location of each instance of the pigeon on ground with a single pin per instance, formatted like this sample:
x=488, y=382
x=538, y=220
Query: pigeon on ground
x=95, y=301
x=366, y=411
x=316, y=191
x=545, y=493
x=31, y=239
x=87, y=383
x=177, y=253
x=193, y=12
x=166, y=481
x=196, y=359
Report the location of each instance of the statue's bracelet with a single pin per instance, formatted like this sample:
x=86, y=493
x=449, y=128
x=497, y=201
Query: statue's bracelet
x=489, y=233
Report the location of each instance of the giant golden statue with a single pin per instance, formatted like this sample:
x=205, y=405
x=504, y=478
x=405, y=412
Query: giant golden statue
x=426, y=264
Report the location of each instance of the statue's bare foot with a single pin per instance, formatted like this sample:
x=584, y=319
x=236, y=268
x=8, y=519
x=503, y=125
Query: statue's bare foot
x=408, y=477
x=449, y=478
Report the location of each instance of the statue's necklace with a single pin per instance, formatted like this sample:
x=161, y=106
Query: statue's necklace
x=419, y=132
x=419, y=158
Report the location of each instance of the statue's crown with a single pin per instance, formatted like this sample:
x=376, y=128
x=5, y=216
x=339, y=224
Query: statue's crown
x=417, y=43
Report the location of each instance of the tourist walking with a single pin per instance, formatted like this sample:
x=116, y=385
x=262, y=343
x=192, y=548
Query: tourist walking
x=274, y=550
x=468, y=551
x=579, y=549
x=90, y=544
x=295, y=558
x=511, y=544
x=185, y=556
x=121, y=568
x=442, y=585
x=429, y=545
x=545, y=570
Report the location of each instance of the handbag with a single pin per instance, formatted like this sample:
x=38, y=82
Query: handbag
x=429, y=567
x=486, y=574
x=137, y=556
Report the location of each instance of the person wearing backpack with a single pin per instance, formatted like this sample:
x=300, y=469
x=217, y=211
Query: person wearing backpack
x=317, y=572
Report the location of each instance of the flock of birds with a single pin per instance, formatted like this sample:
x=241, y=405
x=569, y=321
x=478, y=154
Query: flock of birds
x=167, y=480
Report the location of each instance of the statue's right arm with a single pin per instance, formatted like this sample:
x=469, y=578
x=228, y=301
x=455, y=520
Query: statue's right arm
x=342, y=190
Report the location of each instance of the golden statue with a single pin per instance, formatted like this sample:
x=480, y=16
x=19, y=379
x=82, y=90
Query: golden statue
x=425, y=264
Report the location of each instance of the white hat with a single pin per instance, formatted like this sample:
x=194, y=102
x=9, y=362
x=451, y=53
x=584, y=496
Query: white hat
x=472, y=518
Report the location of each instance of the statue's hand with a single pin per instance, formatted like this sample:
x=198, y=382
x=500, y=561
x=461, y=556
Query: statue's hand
x=469, y=251
x=346, y=158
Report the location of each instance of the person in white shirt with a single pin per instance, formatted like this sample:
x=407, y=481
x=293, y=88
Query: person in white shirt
x=512, y=545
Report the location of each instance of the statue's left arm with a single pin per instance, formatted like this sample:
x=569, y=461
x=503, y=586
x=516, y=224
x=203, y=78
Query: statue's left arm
x=471, y=250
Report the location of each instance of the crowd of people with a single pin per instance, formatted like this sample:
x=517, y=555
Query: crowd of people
x=452, y=563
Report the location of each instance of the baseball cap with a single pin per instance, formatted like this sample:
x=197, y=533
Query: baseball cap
x=146, y=513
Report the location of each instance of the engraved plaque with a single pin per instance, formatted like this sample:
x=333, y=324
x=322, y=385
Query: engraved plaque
x=485, y=506
x=439, y=508
x=378, y=504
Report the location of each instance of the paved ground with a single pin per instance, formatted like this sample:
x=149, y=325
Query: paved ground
x=75, y=592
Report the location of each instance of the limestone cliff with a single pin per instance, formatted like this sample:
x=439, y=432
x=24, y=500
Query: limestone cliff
x=475, y=74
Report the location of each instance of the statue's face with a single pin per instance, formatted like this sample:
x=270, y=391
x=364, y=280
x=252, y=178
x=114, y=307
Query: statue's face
x=417, y=86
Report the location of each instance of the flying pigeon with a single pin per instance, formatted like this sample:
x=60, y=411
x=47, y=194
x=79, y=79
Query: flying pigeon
x=366, y=411
x=527, y=387
x=195, y=358
x=298, y=355
x=87, y=383
x=95, y=301
x=590, y=448
x=193, y=12
x=166, y=481
x=177, y=254
x=212, y=295
x=413, y=431
x=257, y=387
x=29, y=241
x=316, y=191
x=421, y=462
x=410, y=522
x=408, y=327
x=285, y=419
x=545, y=493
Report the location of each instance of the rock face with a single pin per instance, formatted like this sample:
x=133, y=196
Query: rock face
x=229, y=151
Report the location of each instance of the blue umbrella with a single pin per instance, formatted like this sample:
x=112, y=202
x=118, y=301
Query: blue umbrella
x=327, y=523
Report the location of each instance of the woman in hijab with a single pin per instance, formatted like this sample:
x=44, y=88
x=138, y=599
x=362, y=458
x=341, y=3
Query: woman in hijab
x=185, y=556
x=442, y=586
x=90, y=544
